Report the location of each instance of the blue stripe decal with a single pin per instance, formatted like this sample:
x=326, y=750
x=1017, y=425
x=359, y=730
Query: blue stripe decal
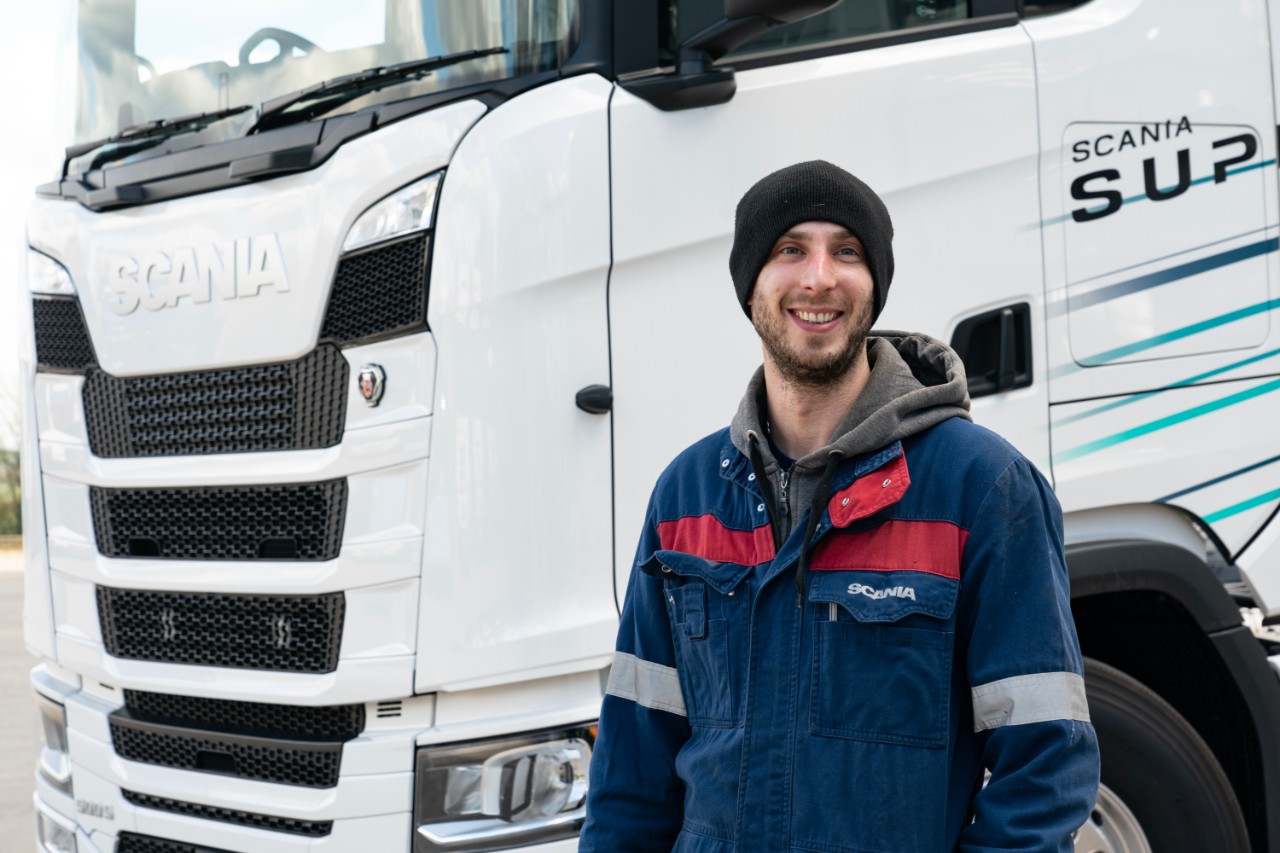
x=1166, y=422
x=1257, y=500
x=1216, y=480
x=1177, y=254
x=1165, y=276
x=1181, y=383
x=1067, y=216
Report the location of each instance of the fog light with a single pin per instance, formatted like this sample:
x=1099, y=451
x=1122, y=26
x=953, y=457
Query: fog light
x=55, y=761
x=53, y=836
x=503, y=793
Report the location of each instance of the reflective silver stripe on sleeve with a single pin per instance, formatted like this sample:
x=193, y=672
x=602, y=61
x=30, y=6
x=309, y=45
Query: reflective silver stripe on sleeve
x=649, y=684
x=1036, y=698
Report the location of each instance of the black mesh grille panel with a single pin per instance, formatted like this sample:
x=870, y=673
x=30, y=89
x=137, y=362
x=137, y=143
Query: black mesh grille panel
x=293, y=522
x=295, y=405
x=277, y=632
x=293, y=722
x=132, y=842
x=314, y=828
x=379, y=293
x=314, y=765
x=62, y=341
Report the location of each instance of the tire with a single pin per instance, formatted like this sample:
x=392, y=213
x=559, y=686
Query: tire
x=1162, y=789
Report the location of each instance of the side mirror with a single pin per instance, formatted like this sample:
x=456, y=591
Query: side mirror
x=696, y=82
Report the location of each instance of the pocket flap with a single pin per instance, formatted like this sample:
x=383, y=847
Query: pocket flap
x=722, y=577
x=885, y=596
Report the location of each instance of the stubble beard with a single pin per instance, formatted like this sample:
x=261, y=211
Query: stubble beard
x=811, y=370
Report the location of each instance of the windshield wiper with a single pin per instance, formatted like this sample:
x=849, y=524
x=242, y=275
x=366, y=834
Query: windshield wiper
x=140, y=137
x=339, y=90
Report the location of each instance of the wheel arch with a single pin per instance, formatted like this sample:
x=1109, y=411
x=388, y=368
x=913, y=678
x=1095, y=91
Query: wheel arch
x=1153, y=608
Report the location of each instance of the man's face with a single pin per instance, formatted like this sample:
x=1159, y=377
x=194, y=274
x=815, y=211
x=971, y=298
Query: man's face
x=812, y=303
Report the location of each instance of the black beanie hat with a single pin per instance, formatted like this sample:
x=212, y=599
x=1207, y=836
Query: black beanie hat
x=811, y=191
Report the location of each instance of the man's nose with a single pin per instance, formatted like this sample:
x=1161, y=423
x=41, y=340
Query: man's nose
x=819, y=271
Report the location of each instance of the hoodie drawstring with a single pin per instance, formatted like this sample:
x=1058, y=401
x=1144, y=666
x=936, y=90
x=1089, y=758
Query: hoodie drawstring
x=820, y=497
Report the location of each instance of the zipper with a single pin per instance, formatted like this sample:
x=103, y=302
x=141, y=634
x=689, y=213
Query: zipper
x=784, y=479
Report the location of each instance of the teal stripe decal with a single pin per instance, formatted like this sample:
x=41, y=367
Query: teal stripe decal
x=1166, y=422
x=1181, y=383
x=1133, y=198
x=1179, y=334
x=1258, y=500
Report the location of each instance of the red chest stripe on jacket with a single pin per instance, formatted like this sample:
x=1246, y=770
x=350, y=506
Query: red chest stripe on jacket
x=870, y=493
x=704, y=536
x=934, y=547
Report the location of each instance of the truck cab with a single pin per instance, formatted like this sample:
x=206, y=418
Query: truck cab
x=359, y=333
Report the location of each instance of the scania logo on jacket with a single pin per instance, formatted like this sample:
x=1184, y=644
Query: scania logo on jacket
x=230, y=270
x=889, y=592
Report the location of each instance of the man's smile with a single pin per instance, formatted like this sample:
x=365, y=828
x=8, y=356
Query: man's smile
x=815, y=320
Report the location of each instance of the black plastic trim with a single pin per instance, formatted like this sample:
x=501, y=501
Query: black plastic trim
x=870, y=42
x=1253, y=675
x=51, y=355
x=304, y=757
x=136, y=842
x=1124, y=565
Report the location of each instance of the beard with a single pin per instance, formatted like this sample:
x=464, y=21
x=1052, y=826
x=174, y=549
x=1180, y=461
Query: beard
x=811, y=369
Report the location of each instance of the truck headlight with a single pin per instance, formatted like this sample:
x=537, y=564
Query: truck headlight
x=47, y=277
x=405, y=211
x=55, y=761
x=509, y=792
x=52, y=835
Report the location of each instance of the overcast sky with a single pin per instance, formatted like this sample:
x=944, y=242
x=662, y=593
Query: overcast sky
x=29, y=155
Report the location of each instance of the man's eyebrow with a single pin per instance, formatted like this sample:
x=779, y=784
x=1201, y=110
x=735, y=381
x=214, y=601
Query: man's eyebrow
x=800, y=235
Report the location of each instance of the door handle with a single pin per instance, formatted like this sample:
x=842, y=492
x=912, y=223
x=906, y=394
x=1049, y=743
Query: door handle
x=995, y=347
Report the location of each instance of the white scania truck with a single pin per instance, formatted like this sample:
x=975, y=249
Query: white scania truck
x=360, y=330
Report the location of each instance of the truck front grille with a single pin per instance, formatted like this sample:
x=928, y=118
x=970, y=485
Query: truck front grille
x=132, y=842
x=294, y=522
x=379, y=293
x=295, y=405
x=313, y=828
x=292, y=722
x=289, y=744
x=62, y=341
x=305, y=763
x=300, y=633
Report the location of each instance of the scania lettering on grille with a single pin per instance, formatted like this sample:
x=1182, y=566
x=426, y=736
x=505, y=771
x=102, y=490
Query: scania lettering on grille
x=235, y=269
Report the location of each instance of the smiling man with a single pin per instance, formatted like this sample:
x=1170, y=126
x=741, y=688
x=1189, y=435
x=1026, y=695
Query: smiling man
x=850, y=603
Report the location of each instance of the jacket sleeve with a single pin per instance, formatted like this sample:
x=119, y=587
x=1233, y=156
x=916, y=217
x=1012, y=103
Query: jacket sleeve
x=636, y=801
x=1025, y=673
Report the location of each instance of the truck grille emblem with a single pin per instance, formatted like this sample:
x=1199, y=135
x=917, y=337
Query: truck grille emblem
x=372, y=379
x=167, y=629
x=281, y=632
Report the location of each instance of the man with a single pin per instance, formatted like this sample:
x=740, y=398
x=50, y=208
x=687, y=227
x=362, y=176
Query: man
x=852, y=601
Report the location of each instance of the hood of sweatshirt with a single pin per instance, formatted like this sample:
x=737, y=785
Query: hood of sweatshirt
x=916, y=382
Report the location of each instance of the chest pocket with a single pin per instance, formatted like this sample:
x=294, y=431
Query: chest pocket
x=708, y=607
x=883, y=644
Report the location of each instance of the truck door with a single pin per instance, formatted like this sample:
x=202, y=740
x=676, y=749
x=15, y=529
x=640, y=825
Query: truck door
x=1159, y=228
x=931, y=102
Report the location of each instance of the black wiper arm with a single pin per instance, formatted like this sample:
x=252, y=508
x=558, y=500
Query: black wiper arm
x=146, y=135
x=351, y=86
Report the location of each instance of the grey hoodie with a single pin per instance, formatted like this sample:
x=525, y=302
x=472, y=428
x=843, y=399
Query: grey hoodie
x=916, y=382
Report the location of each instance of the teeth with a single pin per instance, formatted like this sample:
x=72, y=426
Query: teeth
x=816, y=316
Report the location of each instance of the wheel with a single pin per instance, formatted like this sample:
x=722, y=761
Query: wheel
x=1162, y=789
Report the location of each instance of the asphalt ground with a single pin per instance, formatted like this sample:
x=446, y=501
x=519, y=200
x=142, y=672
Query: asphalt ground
x=20, y=737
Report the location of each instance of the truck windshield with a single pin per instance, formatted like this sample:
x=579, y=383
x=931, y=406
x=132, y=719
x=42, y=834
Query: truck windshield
x=140, y=62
